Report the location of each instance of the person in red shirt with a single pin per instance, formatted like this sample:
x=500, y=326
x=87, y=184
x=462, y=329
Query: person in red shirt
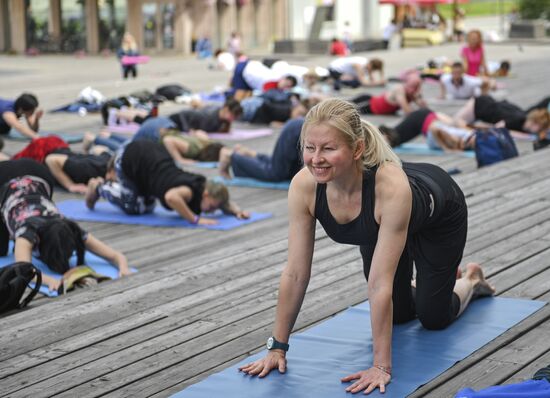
x=338, y=47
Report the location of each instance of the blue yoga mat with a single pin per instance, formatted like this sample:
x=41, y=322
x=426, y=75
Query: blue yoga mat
x=68, y=138
x=413, y=148
x=76, y=106
x=319, y=357
x=252, y=183
x=204, y=165
x=106, y=212
x=98, y=264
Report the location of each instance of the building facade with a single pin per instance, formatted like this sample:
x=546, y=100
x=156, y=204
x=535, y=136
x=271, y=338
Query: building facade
x=170, y=26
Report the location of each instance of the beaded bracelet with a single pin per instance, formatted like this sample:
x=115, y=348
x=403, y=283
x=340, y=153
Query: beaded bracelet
x=196, y=218
x=384, y=369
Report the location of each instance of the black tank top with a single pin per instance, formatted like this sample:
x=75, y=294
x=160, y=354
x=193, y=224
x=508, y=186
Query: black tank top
x=363, y=230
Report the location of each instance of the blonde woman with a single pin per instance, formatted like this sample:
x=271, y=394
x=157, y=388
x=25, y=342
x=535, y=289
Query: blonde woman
x=128, y=48
x=362, y=195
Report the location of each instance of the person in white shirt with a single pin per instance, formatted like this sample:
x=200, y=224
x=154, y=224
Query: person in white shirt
x=357, y=71
x=458, y=85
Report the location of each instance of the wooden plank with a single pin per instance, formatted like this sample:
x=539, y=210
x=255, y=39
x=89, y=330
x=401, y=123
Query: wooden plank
x=182, y=346
x=181, y=314
x=532, y=322
x=500, y=365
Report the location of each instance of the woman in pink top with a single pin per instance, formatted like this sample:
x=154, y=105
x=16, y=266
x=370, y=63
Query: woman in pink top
x=473, y=55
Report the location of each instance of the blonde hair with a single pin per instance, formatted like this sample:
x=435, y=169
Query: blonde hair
x=218, y=191
x=344, y=117
x=128, y=42
x=540, y=117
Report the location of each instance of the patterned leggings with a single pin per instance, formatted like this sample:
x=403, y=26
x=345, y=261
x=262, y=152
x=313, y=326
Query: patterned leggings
x=123, y=193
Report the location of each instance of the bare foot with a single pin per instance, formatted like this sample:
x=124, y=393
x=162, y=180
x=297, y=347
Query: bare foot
x=224, y=162
x=87, y=141
x=91, y=192
x=481, y=286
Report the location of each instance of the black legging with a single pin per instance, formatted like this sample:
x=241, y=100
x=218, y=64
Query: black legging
x=127, y=69
x=436, y=251
x=363, y=103
x=272, y=112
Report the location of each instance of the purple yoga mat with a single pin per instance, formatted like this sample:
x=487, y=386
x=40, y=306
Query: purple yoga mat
x=236, y=134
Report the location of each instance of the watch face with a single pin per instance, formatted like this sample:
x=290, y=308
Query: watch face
x=269, y=343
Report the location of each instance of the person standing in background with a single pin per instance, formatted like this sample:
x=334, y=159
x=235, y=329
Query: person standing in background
x=234, y=44
x=128, y=48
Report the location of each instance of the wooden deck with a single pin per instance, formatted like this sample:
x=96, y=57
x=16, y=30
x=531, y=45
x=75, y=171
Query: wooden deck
x=203, y=300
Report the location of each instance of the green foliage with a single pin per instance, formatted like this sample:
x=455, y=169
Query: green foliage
x=481, y=8
x=533, y=9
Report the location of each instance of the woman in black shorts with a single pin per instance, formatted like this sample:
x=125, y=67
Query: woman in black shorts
x=361, y=194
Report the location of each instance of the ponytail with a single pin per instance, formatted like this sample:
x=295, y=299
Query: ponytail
x=377, y=149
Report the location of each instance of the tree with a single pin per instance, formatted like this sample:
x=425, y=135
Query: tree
x=534, y=9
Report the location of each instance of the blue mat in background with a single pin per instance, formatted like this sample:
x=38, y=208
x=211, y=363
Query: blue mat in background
x=68, y=138
x=213, y=97
x=76, y=106
x=98, y=264
x=106, y=212
x=421, y=149
x=203, y=165
x=319, y=357
x=252, y=183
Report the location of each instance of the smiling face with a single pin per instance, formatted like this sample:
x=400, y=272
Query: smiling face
x=327, y=154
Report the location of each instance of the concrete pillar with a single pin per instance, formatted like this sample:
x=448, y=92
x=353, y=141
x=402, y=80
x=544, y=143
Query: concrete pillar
x=134, y=21
x=92, y=26
x=17, y=26
x=54, y=20
x=183, y=25
x=4, y=25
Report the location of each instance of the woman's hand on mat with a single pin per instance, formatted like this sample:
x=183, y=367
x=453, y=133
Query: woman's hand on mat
x=53, y=284
x=78, y=188
x=206, y=221
x=368, y=381
x=275, y=359
x=242, y=215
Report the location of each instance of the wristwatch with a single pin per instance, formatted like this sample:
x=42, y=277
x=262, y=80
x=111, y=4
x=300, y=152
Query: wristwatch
x=273, y=344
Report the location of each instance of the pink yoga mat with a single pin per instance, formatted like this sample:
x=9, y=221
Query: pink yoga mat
x=133, y=60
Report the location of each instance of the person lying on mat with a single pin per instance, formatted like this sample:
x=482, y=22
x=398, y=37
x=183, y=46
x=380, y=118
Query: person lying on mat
x=30, y=218
x=259, y=110
x=71, y=170
x=143, y=171
x=359, y=191
x=184, y=148
x=504, y=114
x=400, y=96
x=437, y=127
x=282, y=165
x=210, y=119
x=356, y=71
x=10, y=112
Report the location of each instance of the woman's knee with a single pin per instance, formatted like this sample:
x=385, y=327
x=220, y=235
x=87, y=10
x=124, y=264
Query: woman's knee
x=434, y=320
